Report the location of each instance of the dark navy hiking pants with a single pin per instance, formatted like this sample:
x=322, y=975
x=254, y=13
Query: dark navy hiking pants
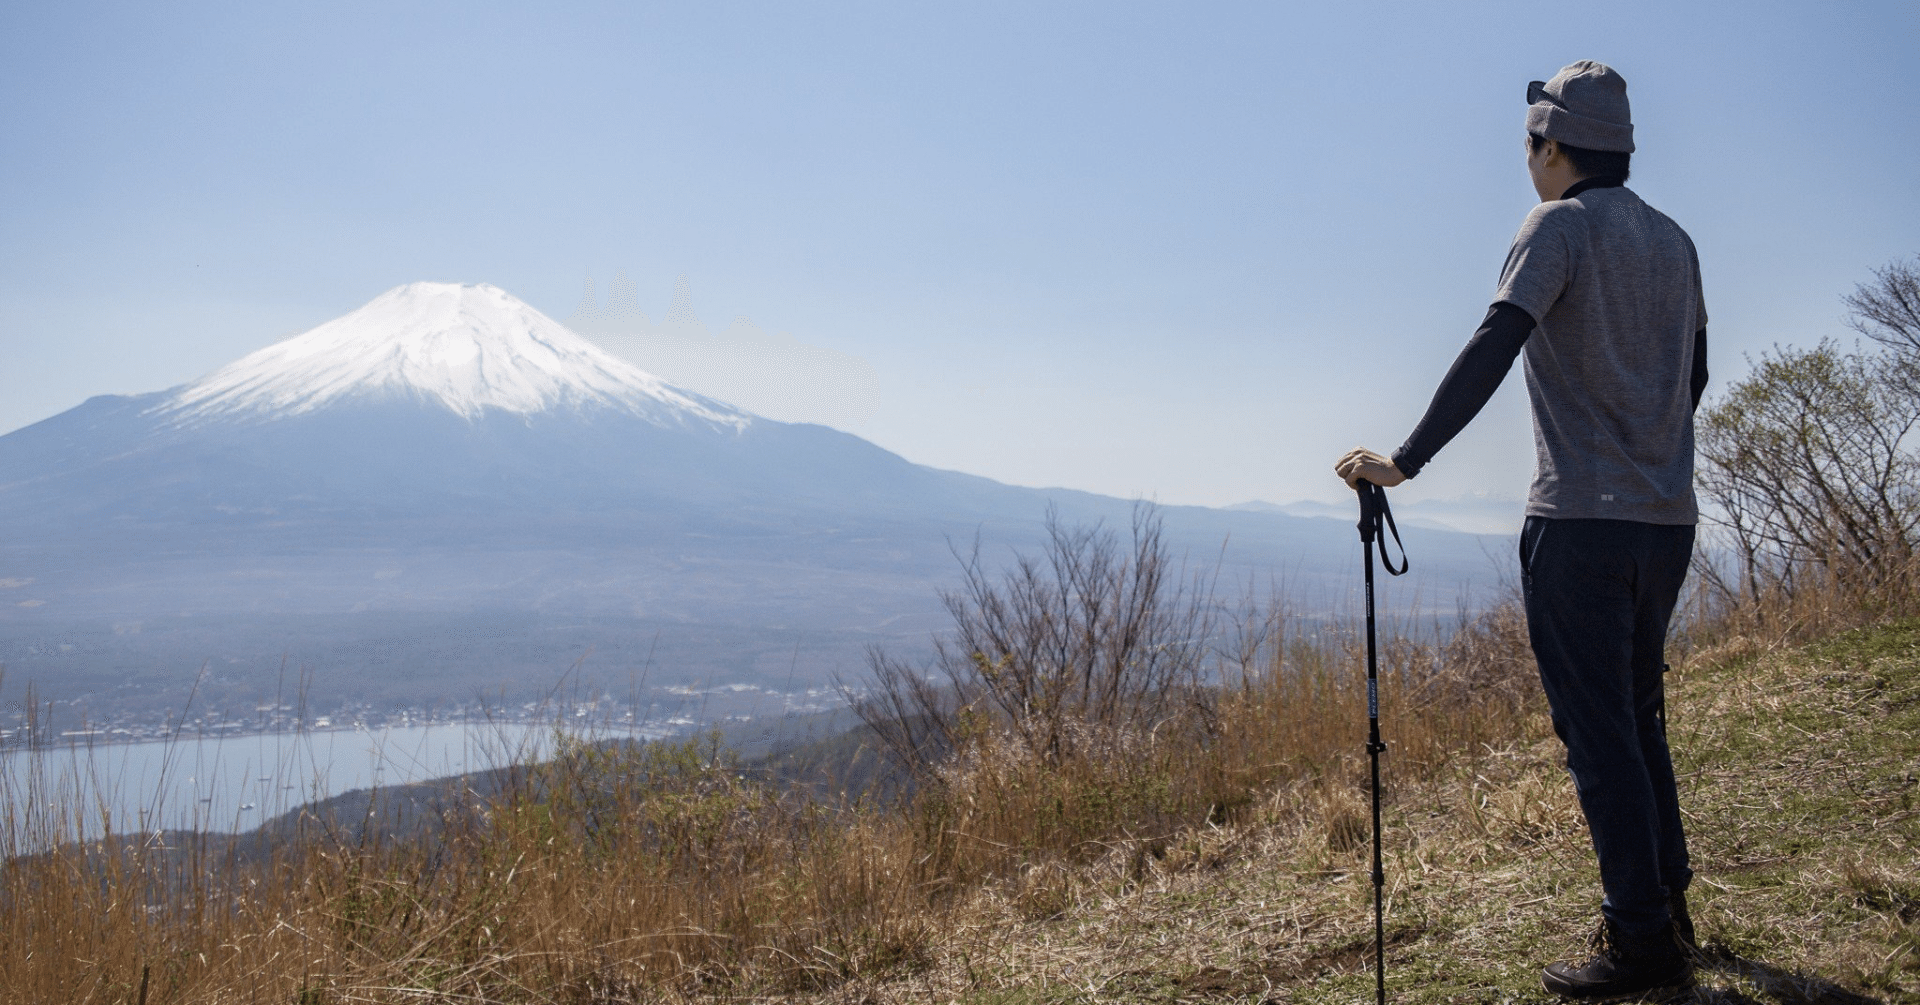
x=1599, y=594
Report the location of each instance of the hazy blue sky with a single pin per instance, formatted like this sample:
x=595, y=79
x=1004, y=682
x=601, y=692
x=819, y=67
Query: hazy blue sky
x=1192, y=251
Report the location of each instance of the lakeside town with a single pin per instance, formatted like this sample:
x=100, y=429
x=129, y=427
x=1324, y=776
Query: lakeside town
x=665, y=711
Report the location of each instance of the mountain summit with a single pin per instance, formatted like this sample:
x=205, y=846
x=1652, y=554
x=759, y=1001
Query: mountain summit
x=466, y=347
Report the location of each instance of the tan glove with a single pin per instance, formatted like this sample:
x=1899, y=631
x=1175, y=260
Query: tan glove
x=1360, y=463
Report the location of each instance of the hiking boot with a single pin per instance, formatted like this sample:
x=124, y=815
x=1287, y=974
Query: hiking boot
x=1682, y=922
x=1623, y=964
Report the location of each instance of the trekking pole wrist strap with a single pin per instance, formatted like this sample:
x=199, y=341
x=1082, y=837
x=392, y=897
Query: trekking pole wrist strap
x=1376, y=522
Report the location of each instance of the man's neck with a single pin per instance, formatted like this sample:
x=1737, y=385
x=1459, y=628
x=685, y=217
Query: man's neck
x=1597, y=181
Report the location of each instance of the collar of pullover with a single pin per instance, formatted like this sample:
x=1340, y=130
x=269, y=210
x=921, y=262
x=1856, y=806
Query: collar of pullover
x=1602, y=181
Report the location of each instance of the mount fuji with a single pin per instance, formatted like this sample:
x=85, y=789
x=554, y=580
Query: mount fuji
x=466, y=348
x=446, y=491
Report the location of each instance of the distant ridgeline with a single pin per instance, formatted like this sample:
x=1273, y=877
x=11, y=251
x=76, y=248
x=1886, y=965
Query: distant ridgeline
x=445, y=492
x=767, y=373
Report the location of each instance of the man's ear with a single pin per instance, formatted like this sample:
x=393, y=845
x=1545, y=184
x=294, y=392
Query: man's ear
x=1553, y=155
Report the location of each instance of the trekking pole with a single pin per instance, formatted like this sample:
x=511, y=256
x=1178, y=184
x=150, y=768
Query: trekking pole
x=1373, y=511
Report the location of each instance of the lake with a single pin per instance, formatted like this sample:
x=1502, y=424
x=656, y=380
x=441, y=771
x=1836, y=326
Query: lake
x=235, y=783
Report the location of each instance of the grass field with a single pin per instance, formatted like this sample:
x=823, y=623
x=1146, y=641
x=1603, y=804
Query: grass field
x=1799, y=773
x=1224, y=864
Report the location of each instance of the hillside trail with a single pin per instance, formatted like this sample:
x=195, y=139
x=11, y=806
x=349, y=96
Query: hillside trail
x=1798, y=772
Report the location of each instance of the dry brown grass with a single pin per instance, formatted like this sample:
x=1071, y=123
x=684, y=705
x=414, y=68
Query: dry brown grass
x=1190, y=861
x=629, y=874
x=1799, y=776
x=596, y=874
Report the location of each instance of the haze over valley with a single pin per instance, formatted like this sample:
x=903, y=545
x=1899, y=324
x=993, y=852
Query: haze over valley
x=445, y=502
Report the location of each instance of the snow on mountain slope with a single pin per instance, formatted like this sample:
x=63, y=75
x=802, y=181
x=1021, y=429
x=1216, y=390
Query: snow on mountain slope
x=467, y=347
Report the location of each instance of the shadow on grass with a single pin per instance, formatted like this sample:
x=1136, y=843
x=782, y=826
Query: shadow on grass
x=1727, y=978
x=1722, y=977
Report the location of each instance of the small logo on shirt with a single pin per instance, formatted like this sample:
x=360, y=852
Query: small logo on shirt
x=1606, y=498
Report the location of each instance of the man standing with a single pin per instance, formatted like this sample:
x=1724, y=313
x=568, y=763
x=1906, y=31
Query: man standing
x=1603, y=294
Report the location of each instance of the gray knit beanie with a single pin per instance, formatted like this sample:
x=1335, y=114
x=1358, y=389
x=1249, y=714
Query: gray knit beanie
x=1584, y=105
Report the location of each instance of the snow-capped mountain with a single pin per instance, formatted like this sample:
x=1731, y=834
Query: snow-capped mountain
x=466, y=347
x=445, y=489
x=447, y=398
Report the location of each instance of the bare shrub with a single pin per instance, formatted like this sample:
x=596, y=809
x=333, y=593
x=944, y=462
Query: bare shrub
x=1089, y=639
x=1887, y=310
x=1813, y=478
x=1811, y=463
